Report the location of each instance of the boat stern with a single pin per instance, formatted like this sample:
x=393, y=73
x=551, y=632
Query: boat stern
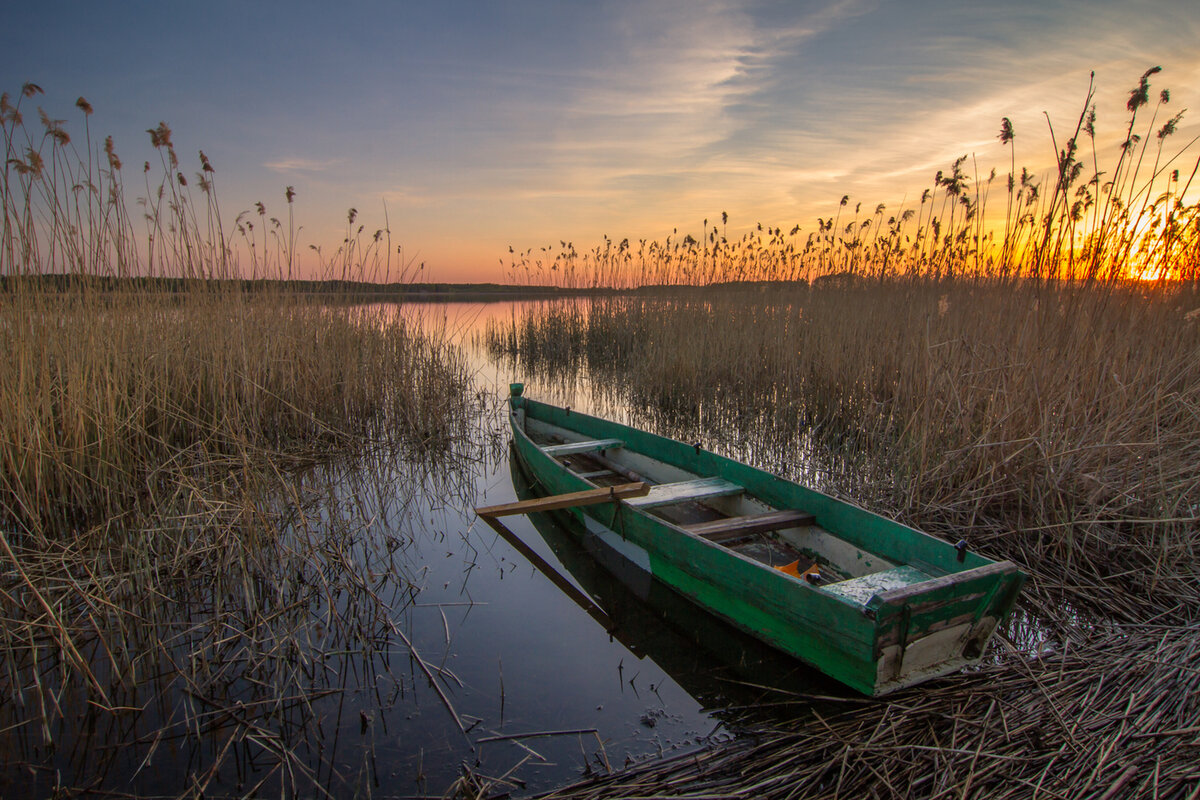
x=938, y=626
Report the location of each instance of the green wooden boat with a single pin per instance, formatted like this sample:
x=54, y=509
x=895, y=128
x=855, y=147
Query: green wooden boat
x=872, y=603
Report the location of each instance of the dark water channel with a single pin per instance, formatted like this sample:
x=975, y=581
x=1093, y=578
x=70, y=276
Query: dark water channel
x=473, y=657
x=526, y=659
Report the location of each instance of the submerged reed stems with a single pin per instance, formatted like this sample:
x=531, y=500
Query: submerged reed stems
x=187, y=558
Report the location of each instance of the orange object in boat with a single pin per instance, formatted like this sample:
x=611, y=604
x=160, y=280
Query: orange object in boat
x=792, y=569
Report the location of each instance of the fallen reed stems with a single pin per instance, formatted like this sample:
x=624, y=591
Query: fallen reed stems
x=1111, y=717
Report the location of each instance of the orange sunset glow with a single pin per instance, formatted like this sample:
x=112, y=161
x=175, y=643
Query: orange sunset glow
x=600, y=399
x=465, y=133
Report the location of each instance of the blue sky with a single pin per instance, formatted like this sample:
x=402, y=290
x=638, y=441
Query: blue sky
x=481, y=125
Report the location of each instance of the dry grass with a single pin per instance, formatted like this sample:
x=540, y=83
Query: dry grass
x=203, y=491
x=1058, y=727
x=117, y=399
x=1011, y=386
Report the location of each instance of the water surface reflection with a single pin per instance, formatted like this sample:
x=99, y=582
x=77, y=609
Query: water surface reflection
x=383, y=639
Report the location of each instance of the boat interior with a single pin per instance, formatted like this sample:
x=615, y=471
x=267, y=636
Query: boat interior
x=724, y=513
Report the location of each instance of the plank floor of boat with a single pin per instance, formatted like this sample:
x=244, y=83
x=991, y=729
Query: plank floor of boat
x=761, y=547
x=771, y=552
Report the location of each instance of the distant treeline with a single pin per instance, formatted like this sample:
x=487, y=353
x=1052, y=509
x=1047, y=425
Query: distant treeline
x=337, y=288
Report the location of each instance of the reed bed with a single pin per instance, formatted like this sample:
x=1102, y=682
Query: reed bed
x=1101, y=720
x=116, y=400
x=207, y=488
x=217, y=651
x=1029, y=383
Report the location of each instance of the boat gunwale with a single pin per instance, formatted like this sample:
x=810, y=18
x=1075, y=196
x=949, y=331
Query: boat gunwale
x=866, y=608
x=936, y=572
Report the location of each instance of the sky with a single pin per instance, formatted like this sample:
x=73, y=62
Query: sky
x=476, y=126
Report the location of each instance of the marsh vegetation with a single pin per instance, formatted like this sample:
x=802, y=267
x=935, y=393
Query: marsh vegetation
x=216, y=504
x=189, y=567
x=1031, y=385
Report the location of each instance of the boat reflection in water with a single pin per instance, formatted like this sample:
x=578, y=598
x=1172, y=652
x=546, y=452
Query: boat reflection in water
x=718, y=665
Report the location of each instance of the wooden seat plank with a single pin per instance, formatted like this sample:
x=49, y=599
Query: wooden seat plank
x=665, y=494
x=590, y=446
x=721, y=530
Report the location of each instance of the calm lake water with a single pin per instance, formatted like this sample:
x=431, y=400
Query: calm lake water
x=511, y=654
x=531, y=660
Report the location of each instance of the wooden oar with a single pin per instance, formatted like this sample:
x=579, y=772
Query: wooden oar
x=569, y=589
x=569, y=500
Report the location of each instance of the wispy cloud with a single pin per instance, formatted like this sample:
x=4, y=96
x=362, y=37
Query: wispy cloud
x=667, y=97
x=563, y=121
x=302, y=164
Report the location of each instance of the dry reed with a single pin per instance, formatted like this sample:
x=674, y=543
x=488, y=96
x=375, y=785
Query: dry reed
x=1014, y=387
x=202, y=489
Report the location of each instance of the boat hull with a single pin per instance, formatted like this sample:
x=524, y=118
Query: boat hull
x=875, y=643
x=713, y=661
